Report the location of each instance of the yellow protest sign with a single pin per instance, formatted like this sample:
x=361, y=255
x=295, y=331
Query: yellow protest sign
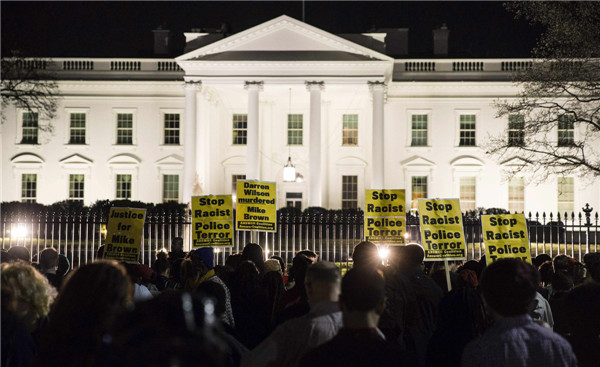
x=212, y=221
x=505, y=236
x=124, y=234
x=388, y=230
x=384, y=220
x=384, y=203
x=256, y=206
x=442, y=235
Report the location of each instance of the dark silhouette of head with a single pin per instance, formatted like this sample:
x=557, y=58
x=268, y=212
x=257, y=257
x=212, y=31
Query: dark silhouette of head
x=311, y=255
x=592, y=263
x=540, y=259
x=64, y=265
x=412, y=255
x=20, y=253
x=281, y=263
x=233, y=261
x=298, y=271
x=254, y=253
x=362, y=290
x=509, y=286
x=177, y=245
x=48, y=259
x=366, y=255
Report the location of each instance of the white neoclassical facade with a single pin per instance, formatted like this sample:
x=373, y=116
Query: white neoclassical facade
x=349, y=117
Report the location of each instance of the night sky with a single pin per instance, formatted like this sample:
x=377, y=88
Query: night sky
x=124, y=29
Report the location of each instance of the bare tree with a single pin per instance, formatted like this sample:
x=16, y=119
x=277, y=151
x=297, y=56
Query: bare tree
x=27, y=84
x=554, y=124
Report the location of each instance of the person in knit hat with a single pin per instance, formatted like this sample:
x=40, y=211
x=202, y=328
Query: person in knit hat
x=198, y=267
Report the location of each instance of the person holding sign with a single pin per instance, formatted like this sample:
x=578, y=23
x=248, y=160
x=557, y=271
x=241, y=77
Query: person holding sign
x=509, y=288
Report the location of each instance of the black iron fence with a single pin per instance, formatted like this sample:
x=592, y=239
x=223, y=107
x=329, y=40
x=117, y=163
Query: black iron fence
x=330, y=233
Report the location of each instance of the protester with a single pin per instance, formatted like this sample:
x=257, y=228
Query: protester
x=249, y=302
x=20, y=253
x=176, y=252
x=462, y=318
x=583, y=323
x=197, y=268
x=290, y=340
x=509, y=289
x=89, y=302
x=424, y=297
x=174, y=329
x=359, y=342
x=48, y=260
x=592, y=264
x=272, y=283
x=26, y=300
x=294, y=302
x=254, y=253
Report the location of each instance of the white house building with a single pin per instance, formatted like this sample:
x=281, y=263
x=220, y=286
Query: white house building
x=349, y=116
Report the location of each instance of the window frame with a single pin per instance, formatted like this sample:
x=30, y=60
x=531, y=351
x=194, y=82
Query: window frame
x=117, y=186
x=460, y=193
x=163, y=122
x=516, y=136
x=355, y=200
x=116, y=113
x=72, y=190
x=513, y=202
x=411, y=129
x=565, y=141
x=458, y=114
x=21, y=128
x=177, y=186
x=350, y=130
x=559, y=202
x=289, y=130
x=29, y=199
x=235, y=129
x=414, y=203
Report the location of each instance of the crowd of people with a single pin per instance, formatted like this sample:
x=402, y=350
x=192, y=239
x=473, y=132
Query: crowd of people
x=187, y=311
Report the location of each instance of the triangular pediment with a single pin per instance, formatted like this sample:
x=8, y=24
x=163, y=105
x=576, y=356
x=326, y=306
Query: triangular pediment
x=170, y=161
x=287, y=35
x=514, y=162
x=417, y=161
x=76, y=159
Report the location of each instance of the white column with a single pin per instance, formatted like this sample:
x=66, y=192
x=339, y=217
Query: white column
x=189, y=154
x=314, y=141
x=377, y=89
x=252, y=155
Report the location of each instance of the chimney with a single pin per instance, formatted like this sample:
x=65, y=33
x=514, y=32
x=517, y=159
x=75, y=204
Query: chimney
x=162, y=41
x=396, y=41
x=440, y=41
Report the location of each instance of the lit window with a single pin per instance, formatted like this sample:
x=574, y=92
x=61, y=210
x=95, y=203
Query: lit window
x=418, y=189
x=30, y=128
x=467, y=131
x=125, y=128
x=419, y=130
x=240, y=129
x=516, y=195
x=566, y=195
x=294, y=129
x=350, y=130
x=516, y=134
x=349, y=192
x=293, y=200
x=171, y=128
x=170, y=188
x=467, y=193
x=28, y=187
x=566, y=130
x=77, y=128
x=123, y=187
x=76, y=187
